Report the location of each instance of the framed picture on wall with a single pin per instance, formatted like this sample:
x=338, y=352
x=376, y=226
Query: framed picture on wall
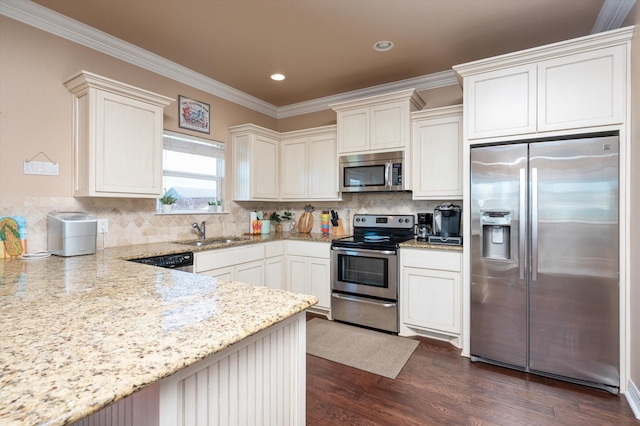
x=194, y=115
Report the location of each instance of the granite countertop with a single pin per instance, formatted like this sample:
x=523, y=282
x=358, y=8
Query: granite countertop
x=425, y=245
x=79, y=333
x=157, y=249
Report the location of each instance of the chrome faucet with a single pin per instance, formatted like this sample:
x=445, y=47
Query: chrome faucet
x=201, y=229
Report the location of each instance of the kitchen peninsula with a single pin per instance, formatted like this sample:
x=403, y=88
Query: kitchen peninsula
x=80, y=333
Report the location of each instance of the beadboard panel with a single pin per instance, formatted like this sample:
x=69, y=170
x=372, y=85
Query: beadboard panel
x=258, y=381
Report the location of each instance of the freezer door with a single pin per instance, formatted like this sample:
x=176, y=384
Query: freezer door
x=498, y=278
x=574, y=313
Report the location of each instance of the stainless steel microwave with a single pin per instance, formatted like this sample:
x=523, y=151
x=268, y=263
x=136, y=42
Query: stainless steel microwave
x=372, y=172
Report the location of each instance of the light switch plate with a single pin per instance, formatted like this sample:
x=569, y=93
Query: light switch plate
x=103, y=226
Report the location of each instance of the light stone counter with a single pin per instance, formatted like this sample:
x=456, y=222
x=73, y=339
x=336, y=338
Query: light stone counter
x=79, y=333
x=425, y=245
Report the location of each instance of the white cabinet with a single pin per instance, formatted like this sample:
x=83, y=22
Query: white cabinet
x=244, y=264
x=117, y=138
x=274, y=265
x=255, y=158
x=501, y=102
x=582, y=90
x=377, y=123
x=570, y=85
x=309, y=165
x=437, y=153
x=430, y=291
x=308, y=268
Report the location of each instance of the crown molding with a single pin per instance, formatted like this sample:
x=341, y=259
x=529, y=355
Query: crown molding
x=425, y=82
x=612, y=15
x=57, y=24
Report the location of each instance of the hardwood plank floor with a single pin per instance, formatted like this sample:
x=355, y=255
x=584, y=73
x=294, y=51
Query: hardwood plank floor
x=439, y=387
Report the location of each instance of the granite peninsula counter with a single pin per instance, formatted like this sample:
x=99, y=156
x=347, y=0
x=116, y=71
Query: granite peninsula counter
x=78, y=333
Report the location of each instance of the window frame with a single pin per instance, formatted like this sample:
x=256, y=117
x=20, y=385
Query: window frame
x=180, y=142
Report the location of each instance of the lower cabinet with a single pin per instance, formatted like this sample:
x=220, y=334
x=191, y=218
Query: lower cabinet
x=245, y=264
x=308, y=269
x=274, y=276
x=299, y=266
x=430, y=290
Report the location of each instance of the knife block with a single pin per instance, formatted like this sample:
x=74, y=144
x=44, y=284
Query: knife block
x=338, y=231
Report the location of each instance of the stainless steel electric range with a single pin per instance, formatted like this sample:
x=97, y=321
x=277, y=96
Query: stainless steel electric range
x=365, y=271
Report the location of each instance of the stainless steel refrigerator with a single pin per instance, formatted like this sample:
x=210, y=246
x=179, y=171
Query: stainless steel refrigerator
x=544, y=258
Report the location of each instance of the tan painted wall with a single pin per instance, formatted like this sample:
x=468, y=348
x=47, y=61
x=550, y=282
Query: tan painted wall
x=36, y=108
x=634, y=19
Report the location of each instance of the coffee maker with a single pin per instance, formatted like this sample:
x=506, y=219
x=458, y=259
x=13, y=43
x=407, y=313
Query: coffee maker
x=446, y=225
x=424, y=227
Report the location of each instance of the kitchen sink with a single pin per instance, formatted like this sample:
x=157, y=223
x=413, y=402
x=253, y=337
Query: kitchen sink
x=208, y=242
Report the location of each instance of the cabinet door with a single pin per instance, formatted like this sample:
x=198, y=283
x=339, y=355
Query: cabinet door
x=323, y=167
x=501, y=103
x=319, y=277
x=274, y=272
x=225, y=273
x=297, y=280
x=582, y=90
x=389, y=125
x=128, y=146
x=437, y=158
x=264, y=161
x=294, y=180
x=250, y=272
x=431, y=299
x=353, y=130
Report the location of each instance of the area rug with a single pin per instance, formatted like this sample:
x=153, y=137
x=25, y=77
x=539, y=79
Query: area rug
x=367, y=350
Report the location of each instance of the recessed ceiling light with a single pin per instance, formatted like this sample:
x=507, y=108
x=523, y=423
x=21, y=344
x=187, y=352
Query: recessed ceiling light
x=277, y=77
x=383, y=46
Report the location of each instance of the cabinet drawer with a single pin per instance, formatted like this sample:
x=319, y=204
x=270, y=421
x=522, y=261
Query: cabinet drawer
x=432, y=259
x=309, y=249
x=213, y=259
x=274, y=249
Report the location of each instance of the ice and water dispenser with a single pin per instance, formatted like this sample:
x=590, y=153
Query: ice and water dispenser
x=496, y=234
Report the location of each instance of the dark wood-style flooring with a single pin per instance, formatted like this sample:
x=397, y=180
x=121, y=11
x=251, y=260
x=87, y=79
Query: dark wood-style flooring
x=439, y=387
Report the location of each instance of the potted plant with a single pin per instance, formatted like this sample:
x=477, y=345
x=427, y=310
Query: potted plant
x=275, y=217
x=167, y=201
x=212, y=206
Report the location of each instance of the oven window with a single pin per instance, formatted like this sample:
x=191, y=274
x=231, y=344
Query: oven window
x=369, y=271
x=364, y=176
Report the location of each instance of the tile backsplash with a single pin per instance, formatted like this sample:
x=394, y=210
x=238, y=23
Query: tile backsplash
x=135, y=221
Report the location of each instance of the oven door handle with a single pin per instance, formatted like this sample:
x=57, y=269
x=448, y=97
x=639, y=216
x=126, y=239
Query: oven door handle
x=363, y=300
x=356, y=251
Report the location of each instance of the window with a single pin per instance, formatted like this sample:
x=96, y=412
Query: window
x=193, y=170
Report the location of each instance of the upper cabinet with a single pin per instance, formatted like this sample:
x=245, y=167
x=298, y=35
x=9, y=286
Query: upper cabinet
x=377, y=123
x=117, y=138
x=573, y=84
x=309, y=165
x=292, y=166
x=437, y=153
x=255, y=163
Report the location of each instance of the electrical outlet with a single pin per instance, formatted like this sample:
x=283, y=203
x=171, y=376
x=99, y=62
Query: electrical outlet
x=103, y=226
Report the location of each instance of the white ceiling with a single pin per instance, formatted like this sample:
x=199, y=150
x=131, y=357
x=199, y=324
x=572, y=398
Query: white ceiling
x=324, y=47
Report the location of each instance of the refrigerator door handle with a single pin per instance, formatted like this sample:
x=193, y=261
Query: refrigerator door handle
x=521, y=223
x=534, y=224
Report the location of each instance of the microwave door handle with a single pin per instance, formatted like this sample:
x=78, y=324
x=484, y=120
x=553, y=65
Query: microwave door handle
x=387, y=173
